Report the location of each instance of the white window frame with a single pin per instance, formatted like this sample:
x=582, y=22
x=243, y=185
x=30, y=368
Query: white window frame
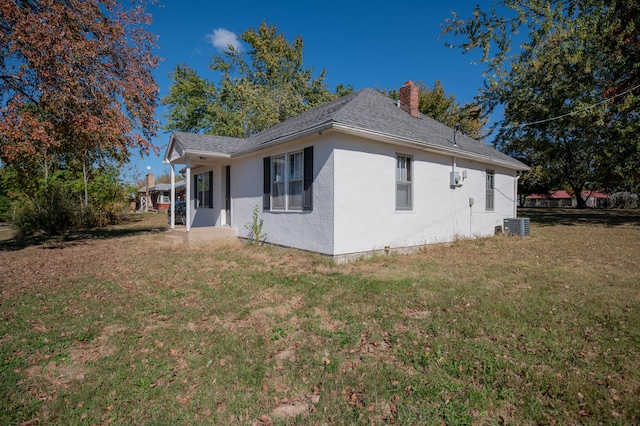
x=279, y=182
x=404, y=179
x=202, y=191
x=284, y=177
x=490, y=186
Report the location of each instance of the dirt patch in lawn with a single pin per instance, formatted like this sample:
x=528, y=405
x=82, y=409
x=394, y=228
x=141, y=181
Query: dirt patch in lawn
x=44, y=381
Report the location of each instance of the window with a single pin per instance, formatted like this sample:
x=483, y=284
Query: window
x=294, y=192
x=490, y=190
x=288, y=180
x=278, y=191
x=403, y=183
x=203, y=190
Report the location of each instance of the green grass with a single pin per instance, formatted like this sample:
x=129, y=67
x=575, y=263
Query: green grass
x=120, y=327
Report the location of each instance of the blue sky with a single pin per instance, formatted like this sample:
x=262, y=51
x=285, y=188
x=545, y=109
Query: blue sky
x=377, y=44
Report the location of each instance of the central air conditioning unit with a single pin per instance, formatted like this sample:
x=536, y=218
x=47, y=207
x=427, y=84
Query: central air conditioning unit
x=517, y=226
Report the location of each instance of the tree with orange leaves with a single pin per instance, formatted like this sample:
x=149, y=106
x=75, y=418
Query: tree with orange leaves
x=76, y=82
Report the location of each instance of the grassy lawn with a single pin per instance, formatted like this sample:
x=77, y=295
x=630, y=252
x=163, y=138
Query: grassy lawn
x=117, y=326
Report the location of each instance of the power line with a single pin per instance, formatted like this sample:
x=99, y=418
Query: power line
x=572, y=112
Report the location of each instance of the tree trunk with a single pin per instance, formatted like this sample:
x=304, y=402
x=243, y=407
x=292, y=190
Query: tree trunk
x=581, y=203
x=46, y=173
x=86, y=183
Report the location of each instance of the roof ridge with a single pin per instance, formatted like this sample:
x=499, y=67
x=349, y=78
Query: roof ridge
x=311, y=118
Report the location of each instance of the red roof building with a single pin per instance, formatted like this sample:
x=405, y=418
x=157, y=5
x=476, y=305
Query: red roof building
x=561, y=198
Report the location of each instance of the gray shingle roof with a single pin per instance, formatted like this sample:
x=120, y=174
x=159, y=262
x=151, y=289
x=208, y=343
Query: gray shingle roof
x=365, y=110
x=209, y=143
x=180, y=184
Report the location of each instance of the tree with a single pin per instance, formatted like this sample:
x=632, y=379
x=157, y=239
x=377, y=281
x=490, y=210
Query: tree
x=76, y=81
x=257, y=89
x=570, y=93
x=435, y=103
x=191, y=101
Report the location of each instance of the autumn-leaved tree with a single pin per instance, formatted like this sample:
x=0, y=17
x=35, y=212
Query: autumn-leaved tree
x=257, y=88
x=76, y=81
x=570, y=90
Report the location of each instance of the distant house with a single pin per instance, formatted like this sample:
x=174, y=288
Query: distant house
x=552, y=199
x=157, y=196
x=595, y=199
x=358, y=175
x=562, y=198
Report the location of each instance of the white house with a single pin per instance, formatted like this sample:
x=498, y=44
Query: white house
x=361, y=174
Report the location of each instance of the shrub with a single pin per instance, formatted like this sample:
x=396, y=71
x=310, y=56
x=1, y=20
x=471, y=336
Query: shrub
x=112, y=213
x=255, y=228
x=623, y=200
x=50, y=211
x=59, y=203
x=5, y=208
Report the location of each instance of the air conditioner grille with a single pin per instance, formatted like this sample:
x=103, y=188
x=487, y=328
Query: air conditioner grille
x=517, y=226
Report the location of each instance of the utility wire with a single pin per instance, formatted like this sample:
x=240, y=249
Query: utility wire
x=572, y=112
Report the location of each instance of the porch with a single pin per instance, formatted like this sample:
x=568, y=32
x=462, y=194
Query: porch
x=179, y=234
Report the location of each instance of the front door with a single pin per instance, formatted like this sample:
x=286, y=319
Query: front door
x=227, y=195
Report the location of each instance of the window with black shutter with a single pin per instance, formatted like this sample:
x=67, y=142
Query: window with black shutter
x=288, y=181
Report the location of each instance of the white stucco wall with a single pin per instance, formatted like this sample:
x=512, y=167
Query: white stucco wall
x=205, y=216
x=308, y=230
x=366, y=218
x=354, y=192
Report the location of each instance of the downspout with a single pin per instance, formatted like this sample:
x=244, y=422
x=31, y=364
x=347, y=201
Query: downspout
x=188, y=194
x=515, y=195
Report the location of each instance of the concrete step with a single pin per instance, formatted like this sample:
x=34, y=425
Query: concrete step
x=174, y=239
x=200, y=234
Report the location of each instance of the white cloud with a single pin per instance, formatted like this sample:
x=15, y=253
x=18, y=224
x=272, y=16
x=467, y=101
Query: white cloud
x=221, y=39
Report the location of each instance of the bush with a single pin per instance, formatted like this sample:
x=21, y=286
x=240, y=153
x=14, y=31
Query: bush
x=112, y=213
x=50, y=211
x=5, y=208
x=58, y=204
x=623, y=200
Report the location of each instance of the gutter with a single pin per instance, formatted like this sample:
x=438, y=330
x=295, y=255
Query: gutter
x=201, y=154
x=515, y=195
x=207, y=154
x=382, y=137
x=425, y=146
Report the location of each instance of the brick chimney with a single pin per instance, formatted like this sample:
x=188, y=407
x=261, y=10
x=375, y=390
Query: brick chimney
x=409, y=98
x=151, y=181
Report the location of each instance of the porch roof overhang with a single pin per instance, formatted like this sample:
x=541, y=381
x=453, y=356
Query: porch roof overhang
x=177, y=153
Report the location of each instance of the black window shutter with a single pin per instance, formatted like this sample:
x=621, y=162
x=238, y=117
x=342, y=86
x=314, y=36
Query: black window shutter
x=211, y=189
x=307, y=196
x=266, y=183
x=195, y=189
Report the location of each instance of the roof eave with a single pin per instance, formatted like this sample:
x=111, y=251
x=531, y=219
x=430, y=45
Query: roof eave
x=425, y=146
x=284, y=139
x=202, y=155
x=166, y=160
x=206, y=154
